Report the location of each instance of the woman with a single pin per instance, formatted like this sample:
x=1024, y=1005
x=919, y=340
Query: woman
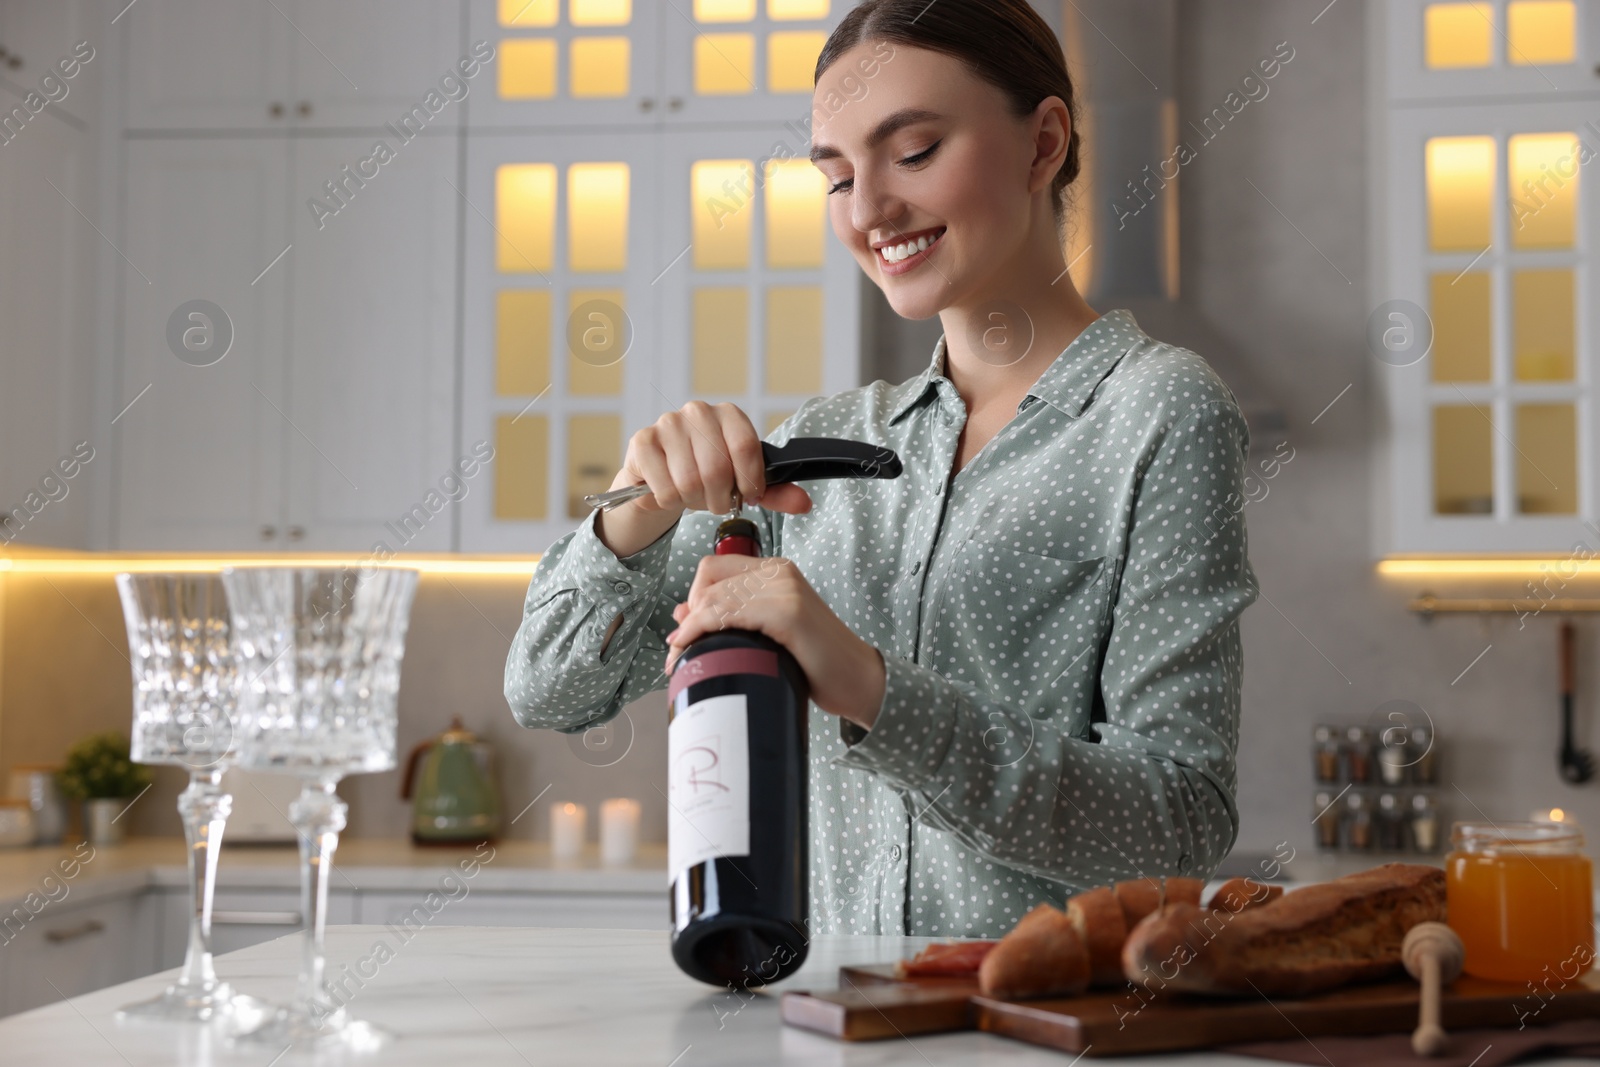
x=1023, y=653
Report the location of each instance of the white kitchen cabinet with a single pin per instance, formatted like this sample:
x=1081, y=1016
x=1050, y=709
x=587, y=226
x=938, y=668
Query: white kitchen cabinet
x=371, y=351
x=598, y=911
x=292, y=64
x=66, y=950
x=330, y=413
x=194, y=64
x=47, y=165
x=200, y=448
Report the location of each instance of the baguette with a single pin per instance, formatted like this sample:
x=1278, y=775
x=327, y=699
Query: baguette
x=1042, y=956
x=1238, y=894
x=1140, y=896
x=1097, y=917
x=1314, y=939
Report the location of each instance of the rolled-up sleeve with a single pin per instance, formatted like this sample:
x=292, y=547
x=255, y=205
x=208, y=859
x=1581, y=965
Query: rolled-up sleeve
x=1153, y=793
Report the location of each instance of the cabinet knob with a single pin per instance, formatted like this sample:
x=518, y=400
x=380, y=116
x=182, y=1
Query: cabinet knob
x=268, y=532
x=275, y=109
x=647, y=103
x=674, y=103
x=303, y=108
x=296, y=533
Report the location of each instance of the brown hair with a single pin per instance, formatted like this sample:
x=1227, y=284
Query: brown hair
x=1004, y=42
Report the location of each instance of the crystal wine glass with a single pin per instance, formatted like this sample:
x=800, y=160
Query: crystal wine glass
x=184, y=688
x=319, y=650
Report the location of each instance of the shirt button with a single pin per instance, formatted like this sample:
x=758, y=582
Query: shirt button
x=894, y=853
x=622, y=587
x=916, y=567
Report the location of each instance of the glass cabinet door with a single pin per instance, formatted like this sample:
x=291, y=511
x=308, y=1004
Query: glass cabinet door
x=1492, y=231
x=560, y=327
x=569, y=63
x=761, y=304
x=1446, y=49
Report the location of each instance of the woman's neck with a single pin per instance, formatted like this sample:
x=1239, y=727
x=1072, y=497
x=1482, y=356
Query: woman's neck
x=998, y=344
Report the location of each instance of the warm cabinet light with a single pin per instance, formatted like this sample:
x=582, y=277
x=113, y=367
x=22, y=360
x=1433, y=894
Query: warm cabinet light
x=1459, y=35
x=1541, y=31
x=1566, y=567
x=92, y=564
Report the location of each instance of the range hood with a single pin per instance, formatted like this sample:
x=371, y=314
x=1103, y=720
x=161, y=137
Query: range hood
x=1124, y=55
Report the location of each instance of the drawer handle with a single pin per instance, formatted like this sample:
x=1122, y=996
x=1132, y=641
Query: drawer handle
x=57, y=937
x=257, y=918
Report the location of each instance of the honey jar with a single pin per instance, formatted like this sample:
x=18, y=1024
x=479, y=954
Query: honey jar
x=1520, y=895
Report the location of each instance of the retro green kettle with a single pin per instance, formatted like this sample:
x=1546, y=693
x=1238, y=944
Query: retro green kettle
x=455, y=800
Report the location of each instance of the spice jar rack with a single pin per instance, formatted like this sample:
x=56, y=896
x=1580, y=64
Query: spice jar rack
x=1376, y=790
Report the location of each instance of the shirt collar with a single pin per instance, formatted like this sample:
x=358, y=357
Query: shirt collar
x=1067, y=383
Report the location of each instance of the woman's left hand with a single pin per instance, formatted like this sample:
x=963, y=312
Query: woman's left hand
x=770, y=595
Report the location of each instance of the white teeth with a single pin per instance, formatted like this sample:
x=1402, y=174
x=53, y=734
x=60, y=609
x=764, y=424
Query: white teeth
x=896, y=253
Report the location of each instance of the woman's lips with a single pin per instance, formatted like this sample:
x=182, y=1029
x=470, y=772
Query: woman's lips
x=904, y=256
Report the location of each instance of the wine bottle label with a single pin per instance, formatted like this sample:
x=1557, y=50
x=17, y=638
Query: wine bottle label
x=708, y=782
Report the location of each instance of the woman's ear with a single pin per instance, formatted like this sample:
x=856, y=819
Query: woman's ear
x=1051, y=124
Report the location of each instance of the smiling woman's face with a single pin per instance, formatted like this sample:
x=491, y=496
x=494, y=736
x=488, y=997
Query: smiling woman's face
x=924, y=160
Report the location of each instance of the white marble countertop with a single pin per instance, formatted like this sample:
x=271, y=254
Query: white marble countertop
x=518, y=997
x=517, y=867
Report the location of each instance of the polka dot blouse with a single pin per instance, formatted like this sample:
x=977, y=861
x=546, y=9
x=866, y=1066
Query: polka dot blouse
x=1058, y=623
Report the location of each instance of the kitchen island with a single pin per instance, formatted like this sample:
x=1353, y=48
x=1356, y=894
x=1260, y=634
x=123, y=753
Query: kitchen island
x=514, y=996
x=465, y=995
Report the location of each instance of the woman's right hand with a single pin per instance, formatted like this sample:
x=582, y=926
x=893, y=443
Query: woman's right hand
x=692, y=459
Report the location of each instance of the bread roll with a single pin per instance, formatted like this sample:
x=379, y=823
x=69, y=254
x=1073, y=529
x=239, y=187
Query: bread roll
x=1238, y=894
x=1314, y=939
x=1042, y=956
x=1097, y=917
x=1141, y=896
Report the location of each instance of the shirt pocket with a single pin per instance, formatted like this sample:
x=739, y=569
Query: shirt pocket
x=1022, y=625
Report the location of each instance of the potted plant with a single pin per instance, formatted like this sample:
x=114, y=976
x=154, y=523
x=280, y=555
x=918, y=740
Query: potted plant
x=99, y=772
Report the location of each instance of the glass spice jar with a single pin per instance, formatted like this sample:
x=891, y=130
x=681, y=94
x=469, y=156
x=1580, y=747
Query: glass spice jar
x=1424, y=823
x=1325, y=753
x=1390, y=823
x=1358, y=822
x=1358, y=754
x=1424, y=760
x=1520, y=896
x=1325, y=814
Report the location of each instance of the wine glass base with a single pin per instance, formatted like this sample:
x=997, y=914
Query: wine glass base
x=283, y=1026
x=208, y=1003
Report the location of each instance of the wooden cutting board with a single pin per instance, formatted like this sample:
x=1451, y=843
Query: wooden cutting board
x=871, y=1004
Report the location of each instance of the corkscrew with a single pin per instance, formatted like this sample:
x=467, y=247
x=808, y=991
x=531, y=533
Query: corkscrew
x=802, y=459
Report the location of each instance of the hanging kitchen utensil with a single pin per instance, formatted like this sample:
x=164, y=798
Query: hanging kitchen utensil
x=1577, y=765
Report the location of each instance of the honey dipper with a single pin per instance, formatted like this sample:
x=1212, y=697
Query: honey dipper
x=1433, y=955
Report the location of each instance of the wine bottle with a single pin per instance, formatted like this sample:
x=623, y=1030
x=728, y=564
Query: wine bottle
x=738, y=836
x=737, y=819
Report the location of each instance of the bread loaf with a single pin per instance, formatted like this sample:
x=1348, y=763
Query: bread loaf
x=1141, y=896
x=1097, y=917
x=1238, y=894
x=1042, y=956
x=1313, y=939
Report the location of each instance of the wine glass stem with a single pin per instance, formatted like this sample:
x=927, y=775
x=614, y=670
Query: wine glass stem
x=318, y=815
x=204, y=807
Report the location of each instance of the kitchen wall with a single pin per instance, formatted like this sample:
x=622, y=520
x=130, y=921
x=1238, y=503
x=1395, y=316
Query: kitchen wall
x=1280, y=270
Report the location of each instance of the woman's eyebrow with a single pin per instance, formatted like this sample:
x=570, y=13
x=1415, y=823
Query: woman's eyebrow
x=906, y=116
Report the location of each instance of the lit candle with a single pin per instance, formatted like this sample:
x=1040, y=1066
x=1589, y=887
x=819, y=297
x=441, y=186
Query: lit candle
x=567, y=822
x=1550, y=815
x=619, y=830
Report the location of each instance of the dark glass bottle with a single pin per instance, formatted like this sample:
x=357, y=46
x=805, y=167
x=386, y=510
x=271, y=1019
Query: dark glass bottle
x=738, y=828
